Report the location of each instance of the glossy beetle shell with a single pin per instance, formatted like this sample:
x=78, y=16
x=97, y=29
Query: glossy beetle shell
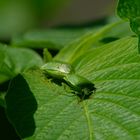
x=79, y=83
x=57, y=69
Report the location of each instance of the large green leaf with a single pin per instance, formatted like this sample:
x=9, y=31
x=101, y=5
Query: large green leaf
x=112, y=112
x=16, y=60
x=130, y=10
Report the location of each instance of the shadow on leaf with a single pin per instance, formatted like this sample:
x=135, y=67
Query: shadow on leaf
x=21, y=106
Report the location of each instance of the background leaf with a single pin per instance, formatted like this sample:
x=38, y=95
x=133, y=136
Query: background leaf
x=93, y=39
x=27, y=14
x=56, y=39
x=51, y=38
x=130, y=10
x=16, y=60
x=112, y=112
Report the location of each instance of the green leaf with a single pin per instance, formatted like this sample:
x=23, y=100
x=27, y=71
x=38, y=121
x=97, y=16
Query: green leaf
x=46, y=55
x=54, y=39
x=112, y=112
x=130, y=10
x=91, y=40
x=16, y=60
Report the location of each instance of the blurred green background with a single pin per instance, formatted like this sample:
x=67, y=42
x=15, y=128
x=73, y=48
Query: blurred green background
x=17, y=16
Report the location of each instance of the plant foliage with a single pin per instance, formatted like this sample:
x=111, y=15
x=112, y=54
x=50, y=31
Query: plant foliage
x=42, y=108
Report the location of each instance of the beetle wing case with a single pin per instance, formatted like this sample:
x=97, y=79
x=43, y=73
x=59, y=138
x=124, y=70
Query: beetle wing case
x=57, y=69
x=79, y=83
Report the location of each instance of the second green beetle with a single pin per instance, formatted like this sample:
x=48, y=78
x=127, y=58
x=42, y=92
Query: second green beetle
x=82, y=87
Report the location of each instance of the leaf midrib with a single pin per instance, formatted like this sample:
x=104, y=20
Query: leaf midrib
x=88, y=121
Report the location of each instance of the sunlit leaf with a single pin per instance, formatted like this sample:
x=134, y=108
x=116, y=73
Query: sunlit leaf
x=112, y=112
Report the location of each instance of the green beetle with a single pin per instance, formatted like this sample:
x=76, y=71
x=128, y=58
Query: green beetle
x=83, y=87
x=57, y=70
x=63, y=71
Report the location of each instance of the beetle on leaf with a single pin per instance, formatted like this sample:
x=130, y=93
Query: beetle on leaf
x=80, y=86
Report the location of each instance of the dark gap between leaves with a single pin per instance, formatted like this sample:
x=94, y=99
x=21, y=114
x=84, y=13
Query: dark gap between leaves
x=40, y=52
x=108, y=39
